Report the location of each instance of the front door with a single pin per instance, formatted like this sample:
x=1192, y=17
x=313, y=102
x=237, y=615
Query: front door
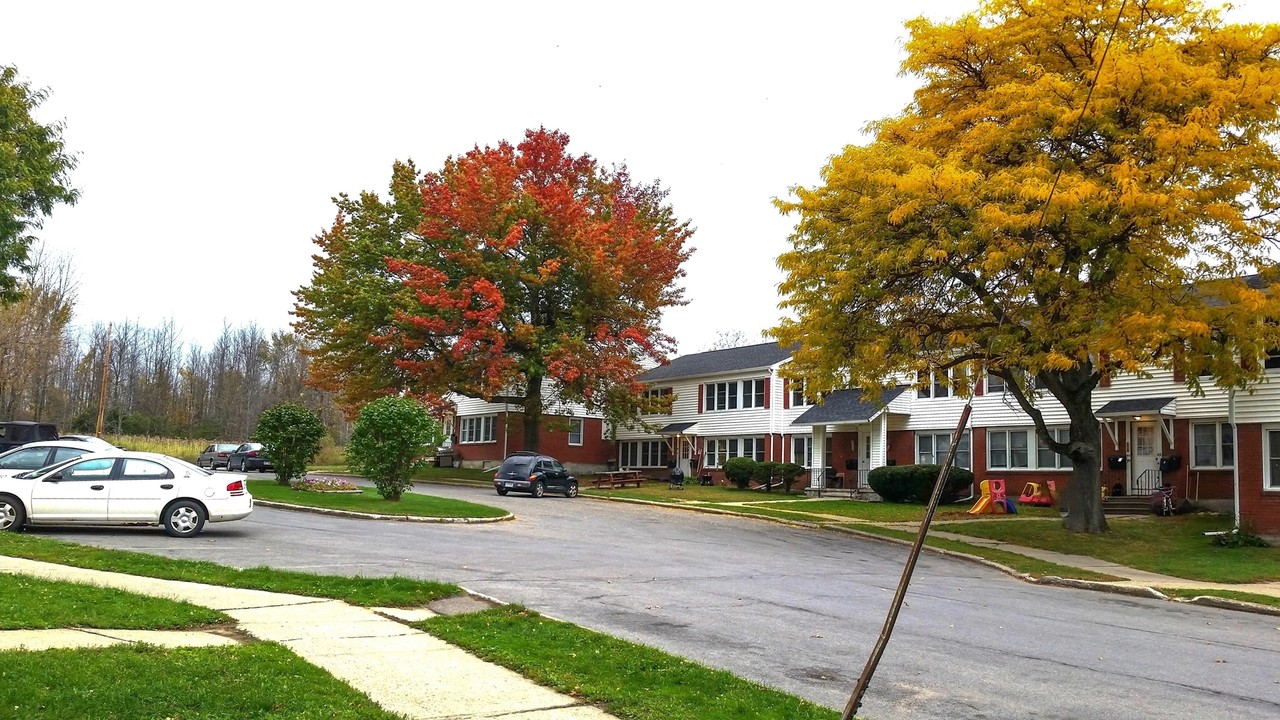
x=1144, y=478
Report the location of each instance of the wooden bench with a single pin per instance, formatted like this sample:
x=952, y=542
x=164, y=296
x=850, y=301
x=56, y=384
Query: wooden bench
x=617, y=479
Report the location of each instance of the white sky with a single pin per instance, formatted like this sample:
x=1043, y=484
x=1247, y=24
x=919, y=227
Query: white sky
x=212, y=136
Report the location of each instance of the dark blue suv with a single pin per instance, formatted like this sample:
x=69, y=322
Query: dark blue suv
x=536, y=474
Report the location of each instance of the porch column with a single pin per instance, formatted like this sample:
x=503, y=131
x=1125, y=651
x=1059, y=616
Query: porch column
x=880, y=451
x=817, y=458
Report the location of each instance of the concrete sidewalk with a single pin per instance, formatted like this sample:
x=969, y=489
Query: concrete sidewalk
x=401, y=669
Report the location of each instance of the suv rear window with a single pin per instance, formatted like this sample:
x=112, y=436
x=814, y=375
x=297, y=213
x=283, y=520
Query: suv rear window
x=518, y=465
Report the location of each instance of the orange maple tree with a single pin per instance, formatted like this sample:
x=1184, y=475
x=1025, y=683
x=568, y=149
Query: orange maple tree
x=532, y=276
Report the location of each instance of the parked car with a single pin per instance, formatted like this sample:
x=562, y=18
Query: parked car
x=102, y=444
x=249, y=456
x=16, y=433
x=43, y=453
x=535, y=474
x=216, y=454
x=121, y=487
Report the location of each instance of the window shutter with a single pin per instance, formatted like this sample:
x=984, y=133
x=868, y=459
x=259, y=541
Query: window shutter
x=701, y=394
x=766, y=393
x=979, y=385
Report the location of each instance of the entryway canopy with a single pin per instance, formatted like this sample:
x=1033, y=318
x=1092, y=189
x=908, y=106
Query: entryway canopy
x=1164, y=409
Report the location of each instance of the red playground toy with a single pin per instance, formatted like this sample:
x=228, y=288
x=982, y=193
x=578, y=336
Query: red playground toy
x=1031, y=495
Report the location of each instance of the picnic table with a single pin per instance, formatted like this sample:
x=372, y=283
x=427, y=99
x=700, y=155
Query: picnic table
x=617, y=479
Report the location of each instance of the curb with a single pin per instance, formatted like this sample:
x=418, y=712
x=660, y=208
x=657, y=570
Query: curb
x=375, y=516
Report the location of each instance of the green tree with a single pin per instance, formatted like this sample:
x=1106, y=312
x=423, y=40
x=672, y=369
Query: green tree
x=391, y=440
x=1023, y=220
x=516, y=274
x=290, y=435
x=34, y=175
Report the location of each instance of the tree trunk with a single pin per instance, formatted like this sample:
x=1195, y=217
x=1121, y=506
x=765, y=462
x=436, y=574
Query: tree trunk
x=532, y=412
x=1083, y=497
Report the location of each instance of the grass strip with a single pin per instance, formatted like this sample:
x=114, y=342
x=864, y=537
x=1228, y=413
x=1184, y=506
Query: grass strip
x=1021, y=563
x=628, y=680
x=31, y=603
x=369, y=501
x=246, y=682
x=1173, y=546
x=1188, y=593
x=364, y=591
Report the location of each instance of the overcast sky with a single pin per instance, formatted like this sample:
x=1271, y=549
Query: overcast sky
x=212, y=136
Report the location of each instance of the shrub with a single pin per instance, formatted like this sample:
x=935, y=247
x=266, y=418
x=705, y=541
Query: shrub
x=789, y=472
x=739, y=470
x=914, y=483
x=290, y=435
x=765, y=472
x=393, y=438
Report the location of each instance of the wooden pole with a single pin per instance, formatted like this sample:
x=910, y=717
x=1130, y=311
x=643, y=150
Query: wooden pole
x=106, y=375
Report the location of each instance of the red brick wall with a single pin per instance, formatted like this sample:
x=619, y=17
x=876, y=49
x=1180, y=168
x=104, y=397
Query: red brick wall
x=553, y=439
x=1259, y=508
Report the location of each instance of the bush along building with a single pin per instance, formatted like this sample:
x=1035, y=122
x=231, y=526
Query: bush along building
x=1155, y=431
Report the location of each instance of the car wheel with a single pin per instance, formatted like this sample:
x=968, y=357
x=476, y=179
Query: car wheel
x=539, y=489
x=184, y=518
x=572, y=490
x=503, y=491
x=12, y=515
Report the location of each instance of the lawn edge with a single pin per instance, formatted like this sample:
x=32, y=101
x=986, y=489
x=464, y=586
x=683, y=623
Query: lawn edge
x=377, y=516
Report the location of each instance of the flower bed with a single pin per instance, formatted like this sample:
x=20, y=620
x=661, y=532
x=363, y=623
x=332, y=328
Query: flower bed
x=312, y=483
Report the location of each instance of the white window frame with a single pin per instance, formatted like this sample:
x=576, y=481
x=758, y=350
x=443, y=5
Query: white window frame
x=938, y=444
x=753, y=394
x=1060, y=461
x=1270, y=462
x=477, y=429
x=658, y=393
x=802, y=450
x=796, y=388
x=643, y=453
x=939, y=385
x=720, y=397
x=718, y=449
x=576, y=428
x=1219, y=461
x=1032, y=448
x=995, y=384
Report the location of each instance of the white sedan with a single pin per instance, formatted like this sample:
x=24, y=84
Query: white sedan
x=123, y=488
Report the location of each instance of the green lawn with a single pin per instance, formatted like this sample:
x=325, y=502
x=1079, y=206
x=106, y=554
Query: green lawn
x=31, y=603
x=246, y=682
x=367, y=592
x=369, y=501
x=628, y=680
x=1173, y=546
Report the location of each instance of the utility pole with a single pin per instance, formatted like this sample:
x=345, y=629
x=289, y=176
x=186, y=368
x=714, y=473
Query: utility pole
x=106, y=375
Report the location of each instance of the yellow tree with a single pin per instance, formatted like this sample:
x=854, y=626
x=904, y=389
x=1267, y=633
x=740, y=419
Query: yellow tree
x=1080, y=188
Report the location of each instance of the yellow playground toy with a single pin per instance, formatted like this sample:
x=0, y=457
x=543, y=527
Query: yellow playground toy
x=993, y=499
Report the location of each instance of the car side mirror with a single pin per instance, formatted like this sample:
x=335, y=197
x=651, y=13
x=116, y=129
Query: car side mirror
x=55, y=477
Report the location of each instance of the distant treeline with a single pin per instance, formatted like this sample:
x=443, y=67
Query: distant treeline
x=51, y=370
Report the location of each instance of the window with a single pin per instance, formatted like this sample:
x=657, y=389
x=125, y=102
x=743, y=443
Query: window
x=1271, y=458
x=476, y=429
x=995, y=384
x=657, y=394
x=936, y=384
x=1046, y=458
x=575, y=431
x=797, y=394
x=931, y=449
x=802, y=450
x=720, y=396
x=1007, y=449
x=753, y=393
x=136, y=469
x=1212, y=445
x=643, y=453
x=720, y=449
x=99, y=469
x=28, y=459
x=1272, y=361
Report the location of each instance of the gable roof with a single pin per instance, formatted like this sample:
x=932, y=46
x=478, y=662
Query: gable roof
x=715, y=362
x=847, y=406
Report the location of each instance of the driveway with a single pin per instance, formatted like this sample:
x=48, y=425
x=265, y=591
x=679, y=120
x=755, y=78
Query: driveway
x=793, y=608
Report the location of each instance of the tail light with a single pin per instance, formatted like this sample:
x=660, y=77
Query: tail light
x=222, y=454
x=253, y=453
x=236, y=488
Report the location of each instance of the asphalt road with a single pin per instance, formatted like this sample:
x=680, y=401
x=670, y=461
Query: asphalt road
x=792, y=608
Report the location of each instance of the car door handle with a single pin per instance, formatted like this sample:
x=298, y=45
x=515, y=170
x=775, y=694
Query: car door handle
x=167, y=486
x=96, y=487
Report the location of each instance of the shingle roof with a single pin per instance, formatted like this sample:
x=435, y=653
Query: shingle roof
x=676, y=428
x=847, y=406
x=1136, y=406
x=715, y=362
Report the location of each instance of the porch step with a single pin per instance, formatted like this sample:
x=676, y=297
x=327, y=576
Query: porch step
x=1127, y=505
